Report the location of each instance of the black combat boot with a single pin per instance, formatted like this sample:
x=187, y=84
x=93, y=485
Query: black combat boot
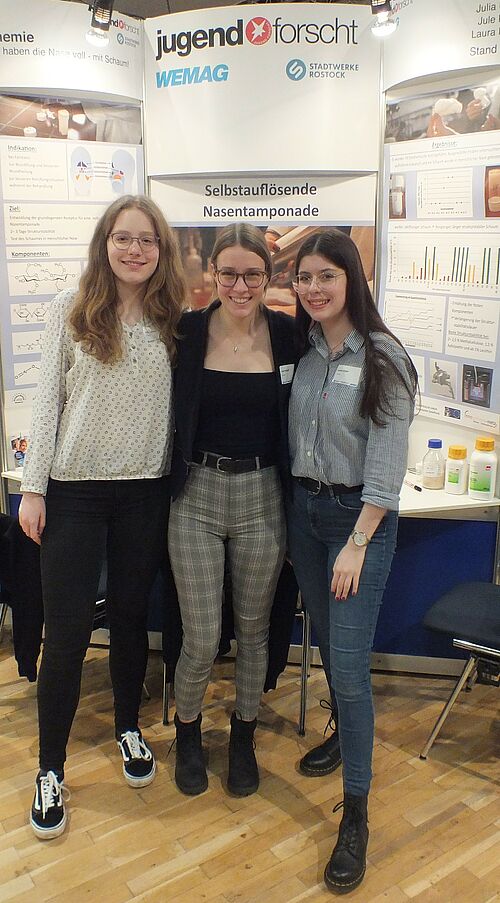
x=326, y=757
x=347, y=864
x=190, y=771
x=243, y=777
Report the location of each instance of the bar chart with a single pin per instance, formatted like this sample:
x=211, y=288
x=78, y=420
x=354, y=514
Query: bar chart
x=465, y=263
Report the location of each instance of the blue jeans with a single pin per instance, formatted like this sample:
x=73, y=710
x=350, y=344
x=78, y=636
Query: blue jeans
x=318, y=528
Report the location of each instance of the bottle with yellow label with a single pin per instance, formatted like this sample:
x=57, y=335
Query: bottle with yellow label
x=483, y=469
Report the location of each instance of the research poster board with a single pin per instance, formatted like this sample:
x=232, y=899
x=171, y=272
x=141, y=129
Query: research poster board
x=436, y=36
x=441, y=247
x=284, y=88
x=286, y=209
x=52, y=192
x=43, y=45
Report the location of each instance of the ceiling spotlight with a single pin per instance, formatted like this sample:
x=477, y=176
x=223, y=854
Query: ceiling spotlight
x=100, y=22
x=384, y=23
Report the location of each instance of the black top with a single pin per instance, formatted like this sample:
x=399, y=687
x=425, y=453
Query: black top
x=188, y=379
x=239, y=415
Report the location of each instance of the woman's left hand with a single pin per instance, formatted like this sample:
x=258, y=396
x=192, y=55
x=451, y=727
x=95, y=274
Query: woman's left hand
x=346, y=570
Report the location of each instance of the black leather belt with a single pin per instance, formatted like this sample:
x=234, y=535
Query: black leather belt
x=316, y=487
x=231, y=465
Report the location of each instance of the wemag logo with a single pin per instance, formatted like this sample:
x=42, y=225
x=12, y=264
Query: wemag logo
x=258, y=30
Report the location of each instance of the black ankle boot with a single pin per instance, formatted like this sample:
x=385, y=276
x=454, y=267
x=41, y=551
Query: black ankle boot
x=190, y=772
x=347, y=864
x=326, y=757
x=243, y=777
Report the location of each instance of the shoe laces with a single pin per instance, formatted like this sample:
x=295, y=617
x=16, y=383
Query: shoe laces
x=348, y=831
x=330, y=724
x=133, y=746
x=52, y=792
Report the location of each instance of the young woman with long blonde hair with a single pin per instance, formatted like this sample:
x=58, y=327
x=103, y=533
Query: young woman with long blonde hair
x=94, y=487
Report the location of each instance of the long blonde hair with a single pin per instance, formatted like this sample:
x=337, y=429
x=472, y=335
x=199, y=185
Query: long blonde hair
x=93, y=317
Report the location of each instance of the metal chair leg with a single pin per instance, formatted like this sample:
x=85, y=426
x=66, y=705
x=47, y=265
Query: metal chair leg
x=166, y=695
x=146, y=691
x=304, y=670
x=3, y=615
x=470, y=666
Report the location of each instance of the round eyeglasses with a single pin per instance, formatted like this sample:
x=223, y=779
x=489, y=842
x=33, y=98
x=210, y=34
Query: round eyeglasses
x=228, y=278
x=303, y=282
x=123, y=240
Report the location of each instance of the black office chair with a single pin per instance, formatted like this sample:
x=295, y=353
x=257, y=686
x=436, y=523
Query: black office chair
x=470, y=615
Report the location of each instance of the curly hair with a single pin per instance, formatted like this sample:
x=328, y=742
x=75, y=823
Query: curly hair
x=340, y=249
x=93, y=316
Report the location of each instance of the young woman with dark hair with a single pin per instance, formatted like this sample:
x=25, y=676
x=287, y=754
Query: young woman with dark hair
x=94, y=486
x=232, y=384
x=351, y=406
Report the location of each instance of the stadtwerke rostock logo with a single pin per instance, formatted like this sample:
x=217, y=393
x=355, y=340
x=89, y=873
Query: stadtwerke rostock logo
x=296, y=70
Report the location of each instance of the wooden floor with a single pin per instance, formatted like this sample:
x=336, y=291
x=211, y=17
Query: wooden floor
x=434, y=826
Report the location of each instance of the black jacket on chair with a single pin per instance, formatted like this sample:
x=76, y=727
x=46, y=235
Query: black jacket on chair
x=191, y=349
x=22, y=590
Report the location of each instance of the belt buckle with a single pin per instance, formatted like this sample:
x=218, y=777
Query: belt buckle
x=318, y=490
x=219, y=459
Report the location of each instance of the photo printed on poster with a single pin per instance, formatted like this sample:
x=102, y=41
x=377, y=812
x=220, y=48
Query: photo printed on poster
x=286, y=209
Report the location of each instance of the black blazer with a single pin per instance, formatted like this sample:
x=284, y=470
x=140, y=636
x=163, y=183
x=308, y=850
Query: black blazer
x=191, y=349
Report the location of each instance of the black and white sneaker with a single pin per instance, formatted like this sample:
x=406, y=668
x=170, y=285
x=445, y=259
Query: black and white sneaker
x=139, y=765
x=48, y=817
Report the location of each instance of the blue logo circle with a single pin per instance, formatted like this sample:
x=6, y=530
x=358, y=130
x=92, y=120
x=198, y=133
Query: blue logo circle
x=296, y=69
x=120, y=38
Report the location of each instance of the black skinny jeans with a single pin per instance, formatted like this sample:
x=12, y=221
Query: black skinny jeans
x=124, y=522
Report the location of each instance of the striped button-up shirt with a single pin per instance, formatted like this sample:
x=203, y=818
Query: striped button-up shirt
x=329, y=439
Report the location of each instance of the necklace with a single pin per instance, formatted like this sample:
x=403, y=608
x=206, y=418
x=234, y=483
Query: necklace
x=332, y=348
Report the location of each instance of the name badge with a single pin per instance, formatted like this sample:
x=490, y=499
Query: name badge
x=286, y=373
x=150, y=333
x=346, y=375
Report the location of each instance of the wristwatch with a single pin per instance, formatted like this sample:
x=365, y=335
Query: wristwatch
x=359, y=539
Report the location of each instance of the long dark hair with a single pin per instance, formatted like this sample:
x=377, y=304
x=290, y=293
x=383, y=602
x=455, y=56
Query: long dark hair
x=340, y=249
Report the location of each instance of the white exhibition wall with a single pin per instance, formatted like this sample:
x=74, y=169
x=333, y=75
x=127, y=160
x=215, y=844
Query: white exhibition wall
x=242, y=94
x=43, y=49
x=285, y=88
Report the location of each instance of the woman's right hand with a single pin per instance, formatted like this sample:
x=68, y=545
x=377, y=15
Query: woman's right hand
x=32, y=515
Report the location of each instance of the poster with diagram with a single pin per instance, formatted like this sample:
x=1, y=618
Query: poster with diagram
x=440, y=274
x=52, y=195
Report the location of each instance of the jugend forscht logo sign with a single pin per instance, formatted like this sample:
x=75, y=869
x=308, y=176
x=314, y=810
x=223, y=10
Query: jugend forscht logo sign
x=259, y=30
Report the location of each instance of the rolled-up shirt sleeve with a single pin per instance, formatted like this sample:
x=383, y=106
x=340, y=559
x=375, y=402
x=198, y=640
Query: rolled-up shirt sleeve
x=387, y=446
x=49, y=399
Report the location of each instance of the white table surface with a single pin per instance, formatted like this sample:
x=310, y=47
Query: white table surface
x=412, y=502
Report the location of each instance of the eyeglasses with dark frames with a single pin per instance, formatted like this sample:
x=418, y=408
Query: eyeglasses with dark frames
x=228, y=278
x=123, y=240
x=303, y=282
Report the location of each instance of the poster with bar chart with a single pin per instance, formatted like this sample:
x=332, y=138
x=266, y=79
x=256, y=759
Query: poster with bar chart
x=469, y=264
x=439, y=287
